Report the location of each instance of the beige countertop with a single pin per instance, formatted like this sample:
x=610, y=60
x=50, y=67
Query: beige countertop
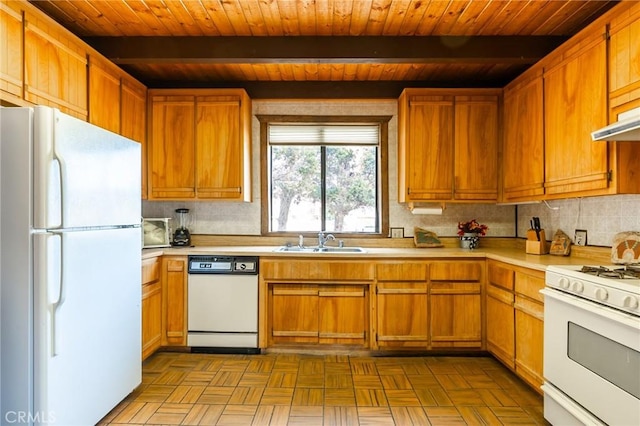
x=509, y=255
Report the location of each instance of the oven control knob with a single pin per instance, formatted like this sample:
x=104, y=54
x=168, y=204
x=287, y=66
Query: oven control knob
x=577, y=287
x=564, y=283
x=630, y=302
x=601, y=294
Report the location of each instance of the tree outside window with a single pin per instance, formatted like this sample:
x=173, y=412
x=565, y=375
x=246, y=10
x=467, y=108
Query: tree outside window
x=324, y=177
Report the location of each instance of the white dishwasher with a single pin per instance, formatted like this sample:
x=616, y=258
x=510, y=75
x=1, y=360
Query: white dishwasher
x=223, y=304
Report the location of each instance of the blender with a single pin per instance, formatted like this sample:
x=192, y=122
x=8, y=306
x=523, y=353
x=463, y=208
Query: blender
x=182, y=237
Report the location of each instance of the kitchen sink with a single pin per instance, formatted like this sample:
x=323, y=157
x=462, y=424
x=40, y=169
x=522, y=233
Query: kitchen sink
x=296, y=249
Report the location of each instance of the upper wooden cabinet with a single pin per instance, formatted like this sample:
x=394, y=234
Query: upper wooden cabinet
x=200, y=144
x=575, y=102
x=55, y=66
x=118, y=102
x=476, y=148
x=11, y=59
x=523, y=138
x=575, y=96
x=104, y=94
x=448, y=145
x=133, y=118
x=624, y=54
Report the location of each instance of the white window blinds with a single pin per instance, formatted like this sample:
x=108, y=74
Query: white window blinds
x=322, y=134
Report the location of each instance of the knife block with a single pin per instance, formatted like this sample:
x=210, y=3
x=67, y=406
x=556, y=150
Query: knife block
x=534, y=246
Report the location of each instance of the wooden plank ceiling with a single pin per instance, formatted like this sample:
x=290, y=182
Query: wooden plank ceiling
x=324, y=48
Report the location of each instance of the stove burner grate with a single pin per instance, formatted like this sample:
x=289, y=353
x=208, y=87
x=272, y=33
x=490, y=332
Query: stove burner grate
x=628, y=271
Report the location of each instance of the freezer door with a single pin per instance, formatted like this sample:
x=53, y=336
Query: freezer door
x=87, y=323
x=84, y=176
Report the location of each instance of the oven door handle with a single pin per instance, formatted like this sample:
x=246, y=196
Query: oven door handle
x=594, y=307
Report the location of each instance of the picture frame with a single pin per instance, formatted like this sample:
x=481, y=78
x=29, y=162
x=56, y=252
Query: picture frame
x=580, y=237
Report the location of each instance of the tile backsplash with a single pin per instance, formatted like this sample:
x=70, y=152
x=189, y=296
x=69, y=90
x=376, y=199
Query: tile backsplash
x=602, y=217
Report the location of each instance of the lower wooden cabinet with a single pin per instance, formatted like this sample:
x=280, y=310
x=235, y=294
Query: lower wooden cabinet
x=402, y=301
x=334, y=314
x=151, y=306
x=174, y=300
x=455, y=290
x=315, y=302
x=500, y=330
x=529, y=314
x=343, y=314
x=293, y=310
x=515, y=319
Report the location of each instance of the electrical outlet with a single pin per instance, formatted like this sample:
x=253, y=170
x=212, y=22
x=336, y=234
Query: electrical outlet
x=397, y=232
x=580, y=237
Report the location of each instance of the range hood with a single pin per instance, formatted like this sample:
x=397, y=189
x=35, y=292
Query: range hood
x=627, y=128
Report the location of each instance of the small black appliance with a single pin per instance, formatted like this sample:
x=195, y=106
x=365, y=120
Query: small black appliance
x=181, y=236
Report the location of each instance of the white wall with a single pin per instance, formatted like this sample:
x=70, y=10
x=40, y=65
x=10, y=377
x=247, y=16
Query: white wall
x=244, y=218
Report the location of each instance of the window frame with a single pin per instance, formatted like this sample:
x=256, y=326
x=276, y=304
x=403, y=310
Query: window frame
x=383, y=176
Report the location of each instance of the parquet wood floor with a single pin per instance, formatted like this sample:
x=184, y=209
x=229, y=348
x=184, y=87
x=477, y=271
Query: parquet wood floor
x=286, y=389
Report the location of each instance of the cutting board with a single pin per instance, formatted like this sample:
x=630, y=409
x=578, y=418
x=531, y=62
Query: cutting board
x=626, y=248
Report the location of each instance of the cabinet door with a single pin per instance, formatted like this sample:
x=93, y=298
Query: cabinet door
x=151, y=306
x=11, y=46
x=104, y=96
x=476, y=148
x=55, y=67
x=429, y=150
x=343, y=313
x=529, y=329
x=455, y=315
x=402, y=314
x=294, y=313
x=523, y=142
x=175, y=300
x=624, y=52
x=501, y=325
x=219, y=147
x=133, y=120
x=172, y=148
x=575, y=95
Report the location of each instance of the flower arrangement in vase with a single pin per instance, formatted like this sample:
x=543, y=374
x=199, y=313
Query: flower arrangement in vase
x=470, y=232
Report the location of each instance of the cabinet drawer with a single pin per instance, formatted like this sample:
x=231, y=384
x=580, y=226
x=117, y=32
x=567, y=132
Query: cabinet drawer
x=529, y=307
x=322, y=270
x=456, y=271
x=150, y=271
x=455, y=288
x=529, y=285
x=402, y=271
x=500, y=294
x=501, y=276
x=402, y=288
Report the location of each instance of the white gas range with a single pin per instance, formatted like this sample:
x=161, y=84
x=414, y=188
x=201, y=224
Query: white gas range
x=592, y=345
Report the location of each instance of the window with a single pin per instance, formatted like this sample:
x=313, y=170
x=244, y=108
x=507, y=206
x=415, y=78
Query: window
x=324, y=174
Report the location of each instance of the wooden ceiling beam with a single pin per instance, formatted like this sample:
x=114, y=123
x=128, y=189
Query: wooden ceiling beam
x=326, y=89
x=325, y=49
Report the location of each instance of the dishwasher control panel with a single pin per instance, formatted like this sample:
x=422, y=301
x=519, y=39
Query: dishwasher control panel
x=223, y=265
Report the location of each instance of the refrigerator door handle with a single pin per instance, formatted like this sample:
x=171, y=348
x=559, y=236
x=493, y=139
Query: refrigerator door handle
x=50, y=273
x=57, y=255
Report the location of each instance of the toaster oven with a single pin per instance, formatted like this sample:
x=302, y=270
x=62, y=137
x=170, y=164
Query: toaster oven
x=156, y=232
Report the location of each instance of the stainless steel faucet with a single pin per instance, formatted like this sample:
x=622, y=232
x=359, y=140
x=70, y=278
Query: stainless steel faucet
x=322, y=239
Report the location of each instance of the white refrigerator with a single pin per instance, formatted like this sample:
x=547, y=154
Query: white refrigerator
x=70, y=267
